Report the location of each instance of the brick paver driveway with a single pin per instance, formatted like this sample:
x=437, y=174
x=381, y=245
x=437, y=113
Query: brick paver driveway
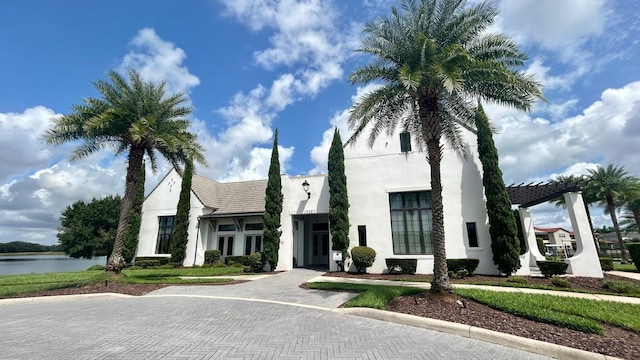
x=206, y=327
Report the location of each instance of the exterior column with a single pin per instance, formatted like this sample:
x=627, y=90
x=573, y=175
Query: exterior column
x=533, y=253
x=585, y=262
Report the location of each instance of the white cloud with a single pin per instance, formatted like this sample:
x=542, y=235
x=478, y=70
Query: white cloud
x=159, y=60
x=605, y=132
x=21, y=148
x=309, y=39
x=319, y=154
x=553, y=24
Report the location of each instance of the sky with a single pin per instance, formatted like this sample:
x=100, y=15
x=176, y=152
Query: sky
x=249, y=67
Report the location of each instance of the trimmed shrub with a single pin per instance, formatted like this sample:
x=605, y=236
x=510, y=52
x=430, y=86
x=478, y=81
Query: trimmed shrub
x=606, y=263
x=560, y=282
x=363, y=257
x=242, y=260
x=256, y=263
x=517, y=280
x=634, y=253
x=146, y=262
x=211, y=256
x=405, y=266
x=550, y=268
x=469, y=265
x=458, y=274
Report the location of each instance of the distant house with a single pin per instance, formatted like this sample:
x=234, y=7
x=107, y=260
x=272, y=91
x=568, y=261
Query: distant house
x=390, y=211
x=558, y=241
x=555, y=236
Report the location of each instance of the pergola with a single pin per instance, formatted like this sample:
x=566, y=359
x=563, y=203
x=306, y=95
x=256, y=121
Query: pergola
x=585, y=261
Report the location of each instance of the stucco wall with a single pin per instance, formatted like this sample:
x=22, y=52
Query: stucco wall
x=295, y=202
x=163, y=201
x=374, y=173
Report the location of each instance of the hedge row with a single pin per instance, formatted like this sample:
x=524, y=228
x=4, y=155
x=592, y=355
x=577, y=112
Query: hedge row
x=550, y=268
x=634, y=252
x=405, y=266
x=146, y=262
x=469, y=265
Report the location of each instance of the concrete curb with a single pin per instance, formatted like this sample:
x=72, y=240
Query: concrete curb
x=472, y=332
x=58, y=298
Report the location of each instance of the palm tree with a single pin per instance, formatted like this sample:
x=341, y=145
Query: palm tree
x=435, y=61
x=632, y=207
x=135, y=117
x=611, y=186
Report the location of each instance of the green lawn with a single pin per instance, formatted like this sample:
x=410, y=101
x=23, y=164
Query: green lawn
x=372, y=296
x=25, y=284
x=625, y=267
x=578, y=314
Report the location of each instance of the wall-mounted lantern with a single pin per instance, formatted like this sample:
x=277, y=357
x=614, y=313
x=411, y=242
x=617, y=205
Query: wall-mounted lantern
x=305, y=187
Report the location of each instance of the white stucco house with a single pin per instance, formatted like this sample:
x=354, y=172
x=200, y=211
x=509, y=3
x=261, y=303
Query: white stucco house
x=390, y=211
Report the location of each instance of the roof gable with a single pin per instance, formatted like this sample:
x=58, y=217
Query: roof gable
x=230, y=198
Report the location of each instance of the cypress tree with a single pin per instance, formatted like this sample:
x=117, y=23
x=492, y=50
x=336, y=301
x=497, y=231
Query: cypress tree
x=180, y=236
x=502, y=225
x=130, y=242
x=272, y=209
x=338, y=198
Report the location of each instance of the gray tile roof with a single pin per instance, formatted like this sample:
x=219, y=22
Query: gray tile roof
x=230, y=198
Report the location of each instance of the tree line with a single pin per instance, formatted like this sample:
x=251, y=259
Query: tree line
x=23, y=246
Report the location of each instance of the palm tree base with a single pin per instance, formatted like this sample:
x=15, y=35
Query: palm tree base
x=115, y=265
x=437, y=288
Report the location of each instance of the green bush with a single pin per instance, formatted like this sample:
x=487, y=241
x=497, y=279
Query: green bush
x=469, y=265
x=211, y=256
x=147, y=262
x=634, y=253
x=241, y=259
x=560, y=282
x=256, y=263
x=405, y=266
x=606, y=263
x=517, y=280
x=550, y=268
x=458, y=274
x=363, y=257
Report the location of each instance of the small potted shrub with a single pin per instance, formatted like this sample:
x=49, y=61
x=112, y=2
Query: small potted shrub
x=363, y=257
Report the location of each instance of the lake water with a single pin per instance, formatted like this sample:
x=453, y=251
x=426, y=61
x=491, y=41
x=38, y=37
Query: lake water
x=37, y=264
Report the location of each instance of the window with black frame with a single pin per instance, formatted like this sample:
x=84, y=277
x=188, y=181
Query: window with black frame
x=411, y=219
x=165, y=231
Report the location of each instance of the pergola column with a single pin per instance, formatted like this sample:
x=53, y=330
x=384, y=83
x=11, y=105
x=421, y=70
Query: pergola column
x=585, y=262
x=533, y=253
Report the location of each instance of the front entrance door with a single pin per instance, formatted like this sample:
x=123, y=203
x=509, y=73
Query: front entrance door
x=320, y=244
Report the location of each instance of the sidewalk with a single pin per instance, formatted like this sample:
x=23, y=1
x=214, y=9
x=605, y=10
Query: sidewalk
x=629, y=275
x=423, y=285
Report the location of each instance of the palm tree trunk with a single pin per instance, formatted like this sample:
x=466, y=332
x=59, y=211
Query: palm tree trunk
x=431, y=132
x=134, y=172
x=593, y=235
x=616, y=227
x=636, y=216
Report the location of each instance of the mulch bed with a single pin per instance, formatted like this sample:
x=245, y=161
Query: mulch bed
x=615, y=342
x=115, y=287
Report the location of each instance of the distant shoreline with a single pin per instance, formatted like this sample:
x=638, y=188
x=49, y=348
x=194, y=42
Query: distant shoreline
x=33, y=253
